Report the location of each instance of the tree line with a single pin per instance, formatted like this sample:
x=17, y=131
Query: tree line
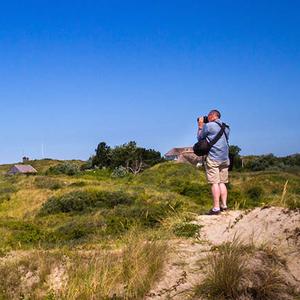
x=129, y=156
x=262, y=162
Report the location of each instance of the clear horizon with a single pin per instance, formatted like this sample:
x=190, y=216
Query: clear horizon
x=75, y=73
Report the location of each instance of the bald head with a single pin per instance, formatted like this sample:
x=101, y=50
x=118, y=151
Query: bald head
x=214, y=115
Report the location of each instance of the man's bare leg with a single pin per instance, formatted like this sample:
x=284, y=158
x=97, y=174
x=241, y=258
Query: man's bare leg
x=223, y=192
x=215, y=189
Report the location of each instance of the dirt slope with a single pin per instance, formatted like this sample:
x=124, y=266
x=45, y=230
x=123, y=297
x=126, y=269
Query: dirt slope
x=276, y=227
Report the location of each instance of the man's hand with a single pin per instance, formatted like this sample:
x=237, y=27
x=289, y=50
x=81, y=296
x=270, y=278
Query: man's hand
x=200, y=122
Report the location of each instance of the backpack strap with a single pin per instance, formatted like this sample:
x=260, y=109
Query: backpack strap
x=226, y=126
x=220, y=133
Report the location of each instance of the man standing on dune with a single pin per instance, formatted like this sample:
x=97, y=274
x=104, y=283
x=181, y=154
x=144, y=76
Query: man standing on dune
x=217, y=160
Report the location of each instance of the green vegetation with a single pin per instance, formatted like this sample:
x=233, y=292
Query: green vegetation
x=230, y=275
x=271, y=162
x=186, y=229
x=235, y=158
x=43, y=182
x=129, y=156
x=97, y=275
x=82, y=201
x=120, y=220
x=7, y=188
x=66, y=168
x=94, y=206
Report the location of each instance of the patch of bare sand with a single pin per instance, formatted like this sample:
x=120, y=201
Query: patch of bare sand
x=275, y=227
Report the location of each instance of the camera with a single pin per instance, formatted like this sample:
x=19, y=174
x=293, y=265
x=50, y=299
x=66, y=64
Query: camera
x=205, y=119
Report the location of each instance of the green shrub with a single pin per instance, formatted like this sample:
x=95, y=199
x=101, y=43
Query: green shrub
x=78, y=184
x=44, y=182
x=146, y=214
x=199, y=192
x=23, y=232
x=119, y=172
x=98, y=174
x=5, y=197
x=116, y=225
x=255, y=193
x=74, y=230
x=186, y=229
x=80, y=201
x=292, y=201
x=6, y=190
x=166, y=175
x=66, y=168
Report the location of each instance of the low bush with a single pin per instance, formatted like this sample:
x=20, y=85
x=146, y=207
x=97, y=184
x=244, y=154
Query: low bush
x=186, y=229
x=43, y=182
x=119, y=172
x=5, y=197
x=80, y=201
x=66, y=168
x=147, y=214
x=167, y=174
x=74, y=230
x=77, y=184
x=107, y=223
x=248, y=196
x=255, y=193
x=190, y=189
x=6, y=190
x=22, y=233
x=96, y=174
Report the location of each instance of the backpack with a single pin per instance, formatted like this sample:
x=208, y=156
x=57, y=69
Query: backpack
x=203, y=147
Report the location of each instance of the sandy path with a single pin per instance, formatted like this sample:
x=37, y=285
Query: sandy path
x=276, y=227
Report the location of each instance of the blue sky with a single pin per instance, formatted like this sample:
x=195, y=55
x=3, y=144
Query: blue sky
x=74, y=73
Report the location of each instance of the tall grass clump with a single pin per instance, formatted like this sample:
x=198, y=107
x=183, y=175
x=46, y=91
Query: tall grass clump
x=289, y=198
x=128, y=274
x=240, y=271
x=27, y=276
x=226, y=272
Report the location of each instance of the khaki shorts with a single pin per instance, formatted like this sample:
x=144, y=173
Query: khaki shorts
x=216, y=171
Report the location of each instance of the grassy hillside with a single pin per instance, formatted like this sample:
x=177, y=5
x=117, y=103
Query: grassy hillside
x=93, y=207
x=55, y=218
x=41, y=165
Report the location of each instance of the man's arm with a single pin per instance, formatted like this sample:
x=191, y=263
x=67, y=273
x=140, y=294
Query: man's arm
x=202, y=132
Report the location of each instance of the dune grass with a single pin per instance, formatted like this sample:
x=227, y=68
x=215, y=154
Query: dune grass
x=126, y=272
x=93, y=212
x=236, y=270
x=91, y=207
